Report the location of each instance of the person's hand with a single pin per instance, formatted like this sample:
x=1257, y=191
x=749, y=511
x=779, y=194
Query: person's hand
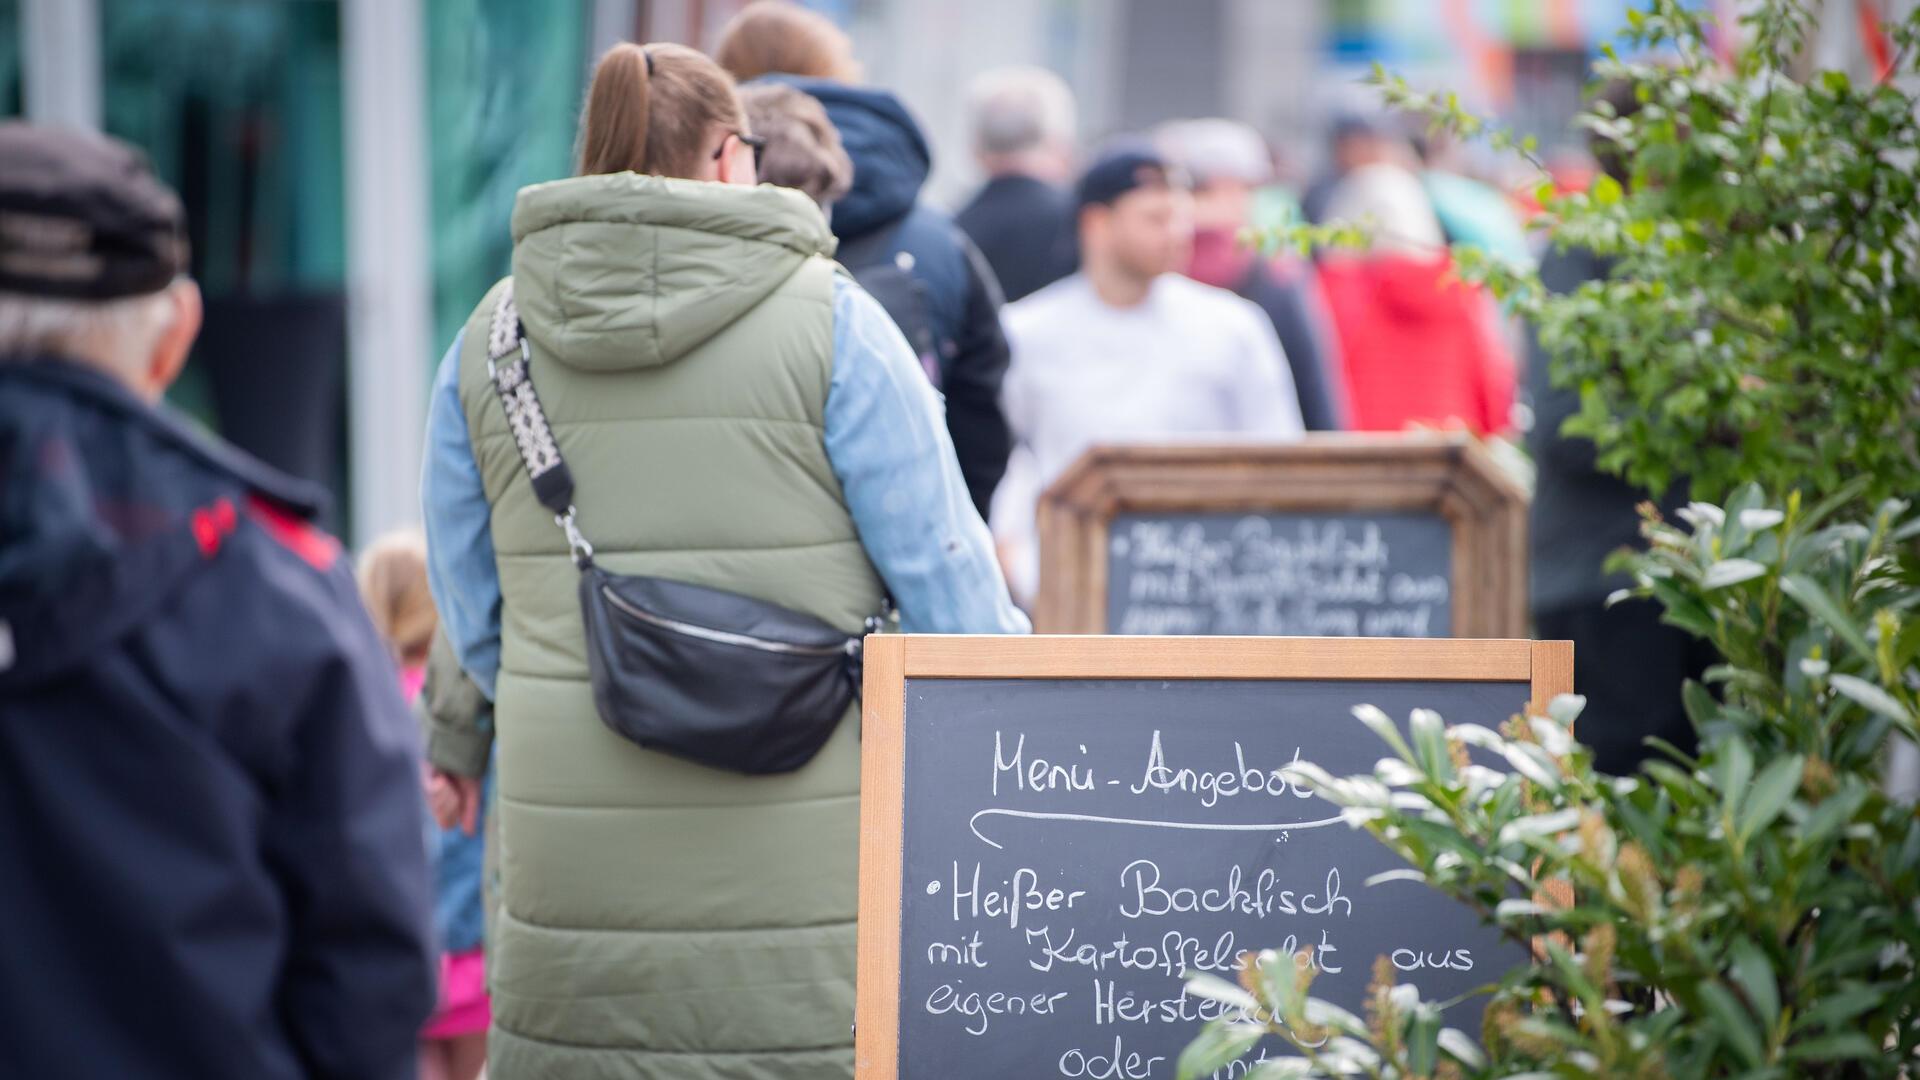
x=454, y=800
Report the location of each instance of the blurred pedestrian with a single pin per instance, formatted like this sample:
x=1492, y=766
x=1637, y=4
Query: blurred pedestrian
x=1228, y=163
x=1023, y=138
x=1627, y=662
x=393, y=583
x=392, y=575
x=1353, y=142
x=1127, y=349
x=211, y=856
x=772, y=442
x=1471, y=212
x=1419, y=346
x=911, y=257
x=801, y=147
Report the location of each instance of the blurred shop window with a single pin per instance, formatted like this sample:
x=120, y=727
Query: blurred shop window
x=11, y=103
x=504, y=86
x=239, y=106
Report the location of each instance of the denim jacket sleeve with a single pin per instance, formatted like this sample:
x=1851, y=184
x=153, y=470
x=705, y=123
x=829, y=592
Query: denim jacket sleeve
x=887, y=440
x=460, y=566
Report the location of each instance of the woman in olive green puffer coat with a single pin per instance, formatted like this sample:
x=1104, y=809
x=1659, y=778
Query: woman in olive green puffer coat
x=655, y=918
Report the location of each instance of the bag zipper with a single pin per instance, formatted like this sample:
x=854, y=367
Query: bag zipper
x=724, y=637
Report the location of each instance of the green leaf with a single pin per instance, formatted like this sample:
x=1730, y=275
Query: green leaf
x=1733, y=1022
x=1327, y=1014
x=1770, y=795
x=1219, y=1044
x=1533, y=763
x=1862, y=692
x=1430, y=744
x=1423, y=1040
x=1565, y=709
x=1841, y=1007
x=1831, y=505
x=1606, y=190
x=1731, y=572
x=1846, y=1046
x=1573, y=975
x=1700, y=704
x=1383, y=726
x=1827, y=818
x=1215, y=988
x=1732, y=770
x=1753, y=973
x=1682, y=610
x=1550, y=824
x=1277, y=988
x=1462, y=1048
x=1808, y=594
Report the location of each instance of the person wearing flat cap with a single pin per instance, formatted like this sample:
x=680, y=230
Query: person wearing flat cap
x=1127, y=349
x=212, y=848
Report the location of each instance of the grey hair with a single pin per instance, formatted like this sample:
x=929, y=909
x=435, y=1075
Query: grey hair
x=119, y=334
x=1016, y=109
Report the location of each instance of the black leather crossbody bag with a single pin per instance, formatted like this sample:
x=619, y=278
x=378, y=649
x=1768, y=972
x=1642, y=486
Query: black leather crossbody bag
x=703, y=674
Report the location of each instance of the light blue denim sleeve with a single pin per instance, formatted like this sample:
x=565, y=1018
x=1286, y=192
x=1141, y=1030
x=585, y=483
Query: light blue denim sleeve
x=887, y=439
x=460, y=567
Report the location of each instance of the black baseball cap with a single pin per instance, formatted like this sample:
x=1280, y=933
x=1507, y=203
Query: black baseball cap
x=82, y=217
x=1123, y=168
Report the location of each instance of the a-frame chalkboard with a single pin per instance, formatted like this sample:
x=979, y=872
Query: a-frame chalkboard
x=1053, y=829
x=1334, y=535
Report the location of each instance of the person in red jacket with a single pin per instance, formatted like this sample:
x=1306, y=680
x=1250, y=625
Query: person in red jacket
x=1419, y=346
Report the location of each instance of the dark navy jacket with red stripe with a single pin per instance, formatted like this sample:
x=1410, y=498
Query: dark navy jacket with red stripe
x=212, y=858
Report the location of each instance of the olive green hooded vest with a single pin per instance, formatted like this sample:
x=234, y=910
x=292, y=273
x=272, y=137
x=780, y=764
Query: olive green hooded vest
x=657, y=918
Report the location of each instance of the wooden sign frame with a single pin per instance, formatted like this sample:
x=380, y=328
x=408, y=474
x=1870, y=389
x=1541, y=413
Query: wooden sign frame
x=1451, y=475
x=892, y=659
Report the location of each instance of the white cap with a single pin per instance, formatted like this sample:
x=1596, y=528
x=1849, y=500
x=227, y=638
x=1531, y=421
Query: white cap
x=1216, y=149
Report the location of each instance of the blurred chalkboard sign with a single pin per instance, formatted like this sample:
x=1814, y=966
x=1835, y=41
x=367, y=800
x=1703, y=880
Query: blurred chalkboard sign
x=1054, y=829
x=1331, y=536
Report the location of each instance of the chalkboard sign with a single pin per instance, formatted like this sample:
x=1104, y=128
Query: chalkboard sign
x=1055, y=829
x=1280, y=574
x=1417, y=535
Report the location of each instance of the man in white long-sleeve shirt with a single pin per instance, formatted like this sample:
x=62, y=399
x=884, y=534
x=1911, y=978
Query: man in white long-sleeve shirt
x=1126, y=350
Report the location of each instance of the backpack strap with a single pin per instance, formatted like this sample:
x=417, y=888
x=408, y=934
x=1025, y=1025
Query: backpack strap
x=508, y=360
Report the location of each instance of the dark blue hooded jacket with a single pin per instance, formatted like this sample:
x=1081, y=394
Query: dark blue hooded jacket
x=212, y=848
x=890, y=165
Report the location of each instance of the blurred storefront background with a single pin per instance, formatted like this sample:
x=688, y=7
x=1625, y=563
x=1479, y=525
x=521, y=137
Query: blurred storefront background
x=349, y=165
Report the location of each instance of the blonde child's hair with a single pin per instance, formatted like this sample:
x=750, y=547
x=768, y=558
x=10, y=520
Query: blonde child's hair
x=393, y=585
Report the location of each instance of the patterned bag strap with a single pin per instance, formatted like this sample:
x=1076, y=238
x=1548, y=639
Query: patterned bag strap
x=508, y=360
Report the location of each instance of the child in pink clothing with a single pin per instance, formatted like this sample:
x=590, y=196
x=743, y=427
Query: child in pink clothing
x=393, y=584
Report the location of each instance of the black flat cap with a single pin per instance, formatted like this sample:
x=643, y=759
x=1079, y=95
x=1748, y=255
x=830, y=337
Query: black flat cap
x=82, y=217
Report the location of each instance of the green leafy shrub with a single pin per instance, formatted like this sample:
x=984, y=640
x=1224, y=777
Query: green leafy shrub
x=1752, y=912
x=1759, y=323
